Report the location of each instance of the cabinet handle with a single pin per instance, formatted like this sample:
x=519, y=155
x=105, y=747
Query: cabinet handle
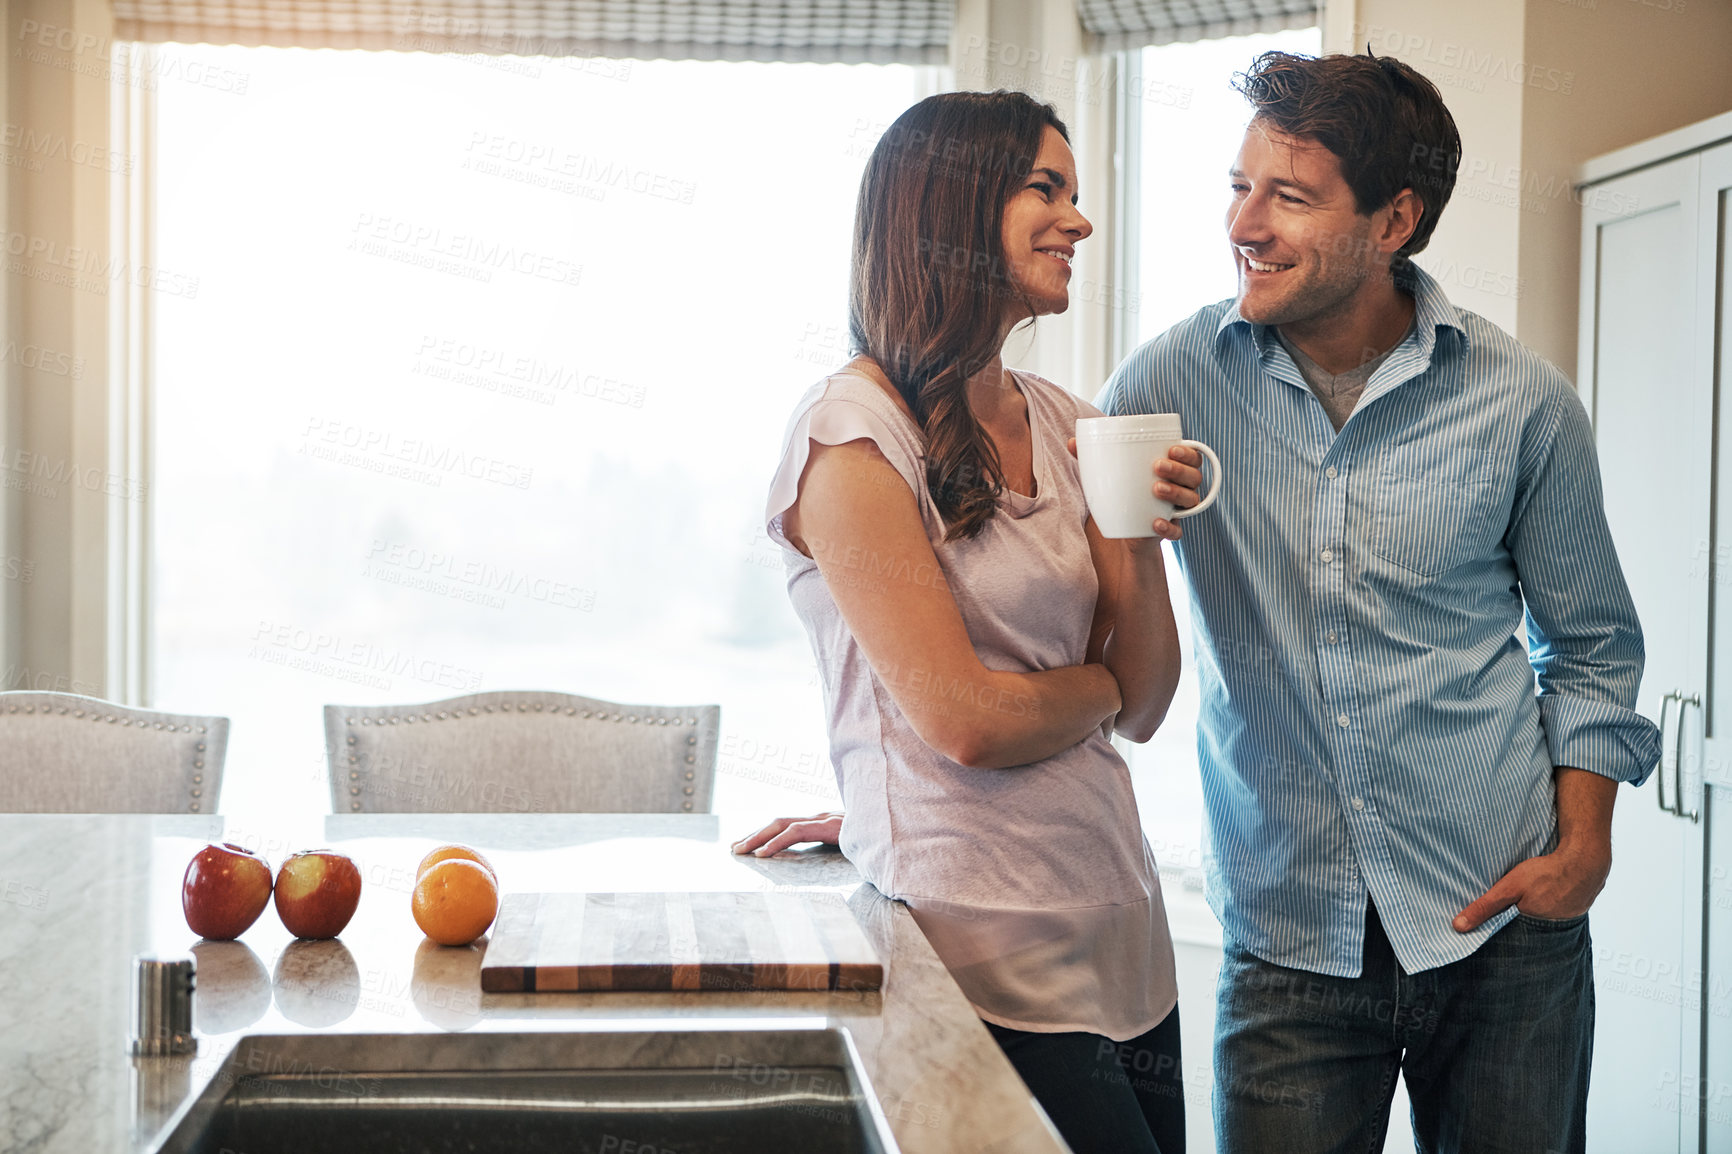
x=1660, y=773
x=1695, y=815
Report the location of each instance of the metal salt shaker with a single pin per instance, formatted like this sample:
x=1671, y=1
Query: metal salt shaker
x=162, y=1006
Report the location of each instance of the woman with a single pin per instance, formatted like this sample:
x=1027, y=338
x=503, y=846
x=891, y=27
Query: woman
x=978, y=639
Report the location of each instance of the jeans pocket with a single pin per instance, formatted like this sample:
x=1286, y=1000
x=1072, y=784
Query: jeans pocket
x=1540, y=923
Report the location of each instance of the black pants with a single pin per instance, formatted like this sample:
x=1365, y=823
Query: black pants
x=1106, y=1097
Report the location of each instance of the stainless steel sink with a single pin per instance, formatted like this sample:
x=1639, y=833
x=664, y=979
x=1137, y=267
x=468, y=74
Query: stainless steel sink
x=686, y=1092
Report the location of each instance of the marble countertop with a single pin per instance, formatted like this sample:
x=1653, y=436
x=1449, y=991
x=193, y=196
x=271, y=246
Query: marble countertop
x=80, y=895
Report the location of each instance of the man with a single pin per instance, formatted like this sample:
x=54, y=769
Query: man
x=1404, y=839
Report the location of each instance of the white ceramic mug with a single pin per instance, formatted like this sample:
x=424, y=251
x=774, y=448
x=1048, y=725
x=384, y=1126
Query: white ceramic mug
x=1117, y=456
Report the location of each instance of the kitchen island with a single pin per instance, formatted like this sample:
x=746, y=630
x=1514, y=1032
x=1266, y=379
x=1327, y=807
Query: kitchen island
x=82, y=894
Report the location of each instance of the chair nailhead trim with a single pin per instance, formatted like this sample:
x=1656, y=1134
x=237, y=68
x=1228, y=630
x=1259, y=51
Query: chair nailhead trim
x=351, y=739
x=688, y=789
x=688, y=775
x=690, y=760
x=198, y=777
x=355, y=805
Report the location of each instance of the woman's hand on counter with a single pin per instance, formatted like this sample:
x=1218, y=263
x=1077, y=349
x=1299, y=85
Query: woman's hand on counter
x=786, y=831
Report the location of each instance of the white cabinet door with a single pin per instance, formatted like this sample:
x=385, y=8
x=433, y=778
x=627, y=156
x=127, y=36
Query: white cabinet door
x=1654, y=429
x=1713, y=993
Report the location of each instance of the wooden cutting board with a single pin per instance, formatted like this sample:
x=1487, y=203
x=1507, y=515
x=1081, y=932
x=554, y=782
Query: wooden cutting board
x=783, y=940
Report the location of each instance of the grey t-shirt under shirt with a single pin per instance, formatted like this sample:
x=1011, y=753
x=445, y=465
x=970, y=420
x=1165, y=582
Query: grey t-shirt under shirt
x=1338, y=392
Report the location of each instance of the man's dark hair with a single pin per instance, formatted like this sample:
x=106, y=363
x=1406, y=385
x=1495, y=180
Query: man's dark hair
x=1385, y=122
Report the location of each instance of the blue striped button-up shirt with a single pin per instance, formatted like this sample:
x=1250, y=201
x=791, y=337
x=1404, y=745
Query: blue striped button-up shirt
x=1369, y=723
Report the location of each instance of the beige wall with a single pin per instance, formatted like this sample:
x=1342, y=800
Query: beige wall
x=1641, y=69
x=56, y=468
x=1537, y=87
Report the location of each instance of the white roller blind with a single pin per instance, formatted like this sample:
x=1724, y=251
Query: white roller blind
x=1119, y=25
x=823, y=31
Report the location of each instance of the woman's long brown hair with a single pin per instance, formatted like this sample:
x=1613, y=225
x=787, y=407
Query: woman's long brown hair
x=930, y=282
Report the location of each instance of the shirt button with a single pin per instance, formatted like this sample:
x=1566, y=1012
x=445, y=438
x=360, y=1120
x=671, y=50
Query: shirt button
x=1342, y=721
x=1327, y=556
x=1358, y=803
x=1330, y=472
x=1330, y=637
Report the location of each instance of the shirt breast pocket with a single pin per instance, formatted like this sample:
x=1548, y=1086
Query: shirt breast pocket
x=1436, y=510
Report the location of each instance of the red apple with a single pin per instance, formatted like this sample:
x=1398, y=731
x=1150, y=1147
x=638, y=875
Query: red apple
x=317, y=892
x=224, y=891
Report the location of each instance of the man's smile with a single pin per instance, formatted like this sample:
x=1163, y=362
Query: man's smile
x=1256, y=265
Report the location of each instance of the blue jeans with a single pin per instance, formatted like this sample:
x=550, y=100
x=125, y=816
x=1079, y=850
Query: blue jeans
x=1495, y=1048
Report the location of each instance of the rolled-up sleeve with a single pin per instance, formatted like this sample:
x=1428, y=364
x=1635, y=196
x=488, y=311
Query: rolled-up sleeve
x=1584, y=640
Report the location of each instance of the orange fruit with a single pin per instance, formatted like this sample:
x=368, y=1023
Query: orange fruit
x=460, y=852
x=455, y=901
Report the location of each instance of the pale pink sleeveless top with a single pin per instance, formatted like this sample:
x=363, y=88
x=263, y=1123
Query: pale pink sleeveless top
x=1034, y=885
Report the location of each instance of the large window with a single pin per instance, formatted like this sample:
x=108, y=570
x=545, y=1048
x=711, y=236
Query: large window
x=485, y=374
x=487, y=366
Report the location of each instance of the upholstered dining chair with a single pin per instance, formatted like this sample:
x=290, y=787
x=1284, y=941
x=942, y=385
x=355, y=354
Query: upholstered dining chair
x=521, y=752
x=64, y=753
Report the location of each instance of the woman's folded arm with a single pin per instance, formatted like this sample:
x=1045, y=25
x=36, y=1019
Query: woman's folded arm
x=856, y=517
